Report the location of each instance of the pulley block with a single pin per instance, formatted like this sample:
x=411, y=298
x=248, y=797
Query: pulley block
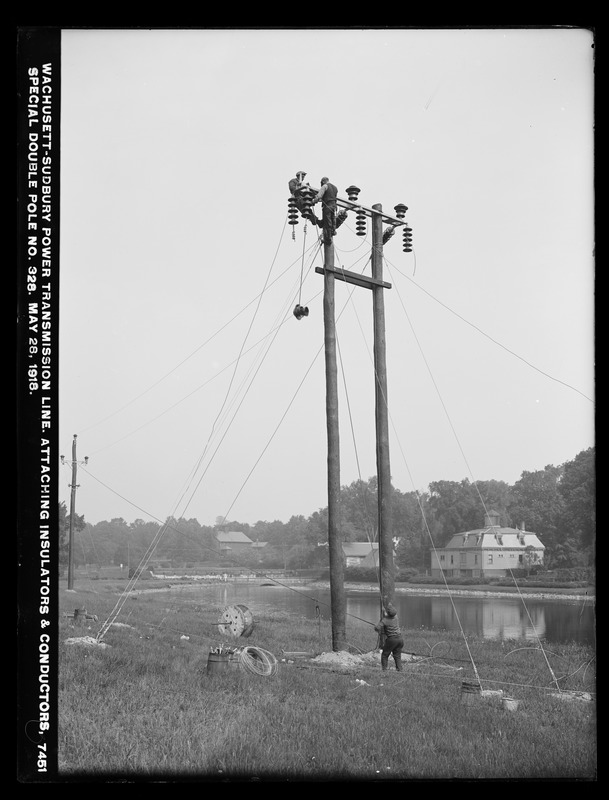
x=301, y=311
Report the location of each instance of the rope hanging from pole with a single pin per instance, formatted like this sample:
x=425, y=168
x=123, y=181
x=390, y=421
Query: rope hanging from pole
x=299, y=311
x=304, y=241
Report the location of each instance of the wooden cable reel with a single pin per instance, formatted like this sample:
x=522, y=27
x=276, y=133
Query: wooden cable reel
x=236, y=621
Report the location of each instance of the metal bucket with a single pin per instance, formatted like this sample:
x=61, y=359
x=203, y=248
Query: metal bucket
x=217, y=662
x=470, y=692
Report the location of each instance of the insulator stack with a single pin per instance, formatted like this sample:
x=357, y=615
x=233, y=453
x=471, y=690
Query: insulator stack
x=352, y=193
x=400, y=212
x=360, y=222
x=292, y=211
x=307, y=201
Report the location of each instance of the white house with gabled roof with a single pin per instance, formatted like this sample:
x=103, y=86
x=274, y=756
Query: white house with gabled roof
x=492, y=551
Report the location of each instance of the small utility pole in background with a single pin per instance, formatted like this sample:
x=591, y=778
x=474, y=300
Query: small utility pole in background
x=74, y=487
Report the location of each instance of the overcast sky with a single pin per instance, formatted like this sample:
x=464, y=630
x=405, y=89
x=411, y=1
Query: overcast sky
x=192, y=388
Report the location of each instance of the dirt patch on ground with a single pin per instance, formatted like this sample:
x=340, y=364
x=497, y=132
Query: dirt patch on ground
x=347, y=660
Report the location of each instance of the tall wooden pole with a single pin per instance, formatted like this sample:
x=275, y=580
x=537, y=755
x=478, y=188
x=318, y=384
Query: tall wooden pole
x=72, y=508
x=337, y=591
x=387, y=573
x=377, y=285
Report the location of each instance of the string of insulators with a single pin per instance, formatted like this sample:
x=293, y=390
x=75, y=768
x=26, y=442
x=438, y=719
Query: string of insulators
x=400, y=212
x=292, y=214
x=292, y=211
x=307, y=201
x=360, y=216
x=360, y=222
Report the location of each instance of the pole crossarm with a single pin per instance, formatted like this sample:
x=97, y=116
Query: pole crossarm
x=350, y=205
x=353, y=277
x=369, y=212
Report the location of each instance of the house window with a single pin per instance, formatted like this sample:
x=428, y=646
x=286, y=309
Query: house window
x=442, y=558
x=462, y=558
x=489, y=558
x=476, y=559
x=452, y=559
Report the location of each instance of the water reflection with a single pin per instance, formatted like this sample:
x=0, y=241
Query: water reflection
x=497, y=619
x=489, y=617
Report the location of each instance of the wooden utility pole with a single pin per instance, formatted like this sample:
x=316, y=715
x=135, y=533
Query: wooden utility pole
x=387, y=578
x=377, y=285
x=337, y=591
x=73, y=487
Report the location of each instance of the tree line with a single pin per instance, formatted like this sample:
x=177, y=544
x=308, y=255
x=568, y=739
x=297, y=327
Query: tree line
x=556, y=503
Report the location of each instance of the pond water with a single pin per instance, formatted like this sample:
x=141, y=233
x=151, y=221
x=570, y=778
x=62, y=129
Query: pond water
x=553, y=621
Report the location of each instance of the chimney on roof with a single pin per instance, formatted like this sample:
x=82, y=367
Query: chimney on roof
x=522, y=528
x=491, y=519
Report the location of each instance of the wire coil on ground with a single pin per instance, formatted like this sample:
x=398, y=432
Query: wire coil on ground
x=258, y=661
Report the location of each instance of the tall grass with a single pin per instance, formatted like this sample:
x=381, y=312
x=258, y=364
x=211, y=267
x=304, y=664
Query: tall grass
x=145, y=707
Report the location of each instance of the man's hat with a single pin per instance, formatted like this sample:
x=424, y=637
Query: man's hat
x=301, y=172
x=391, y=612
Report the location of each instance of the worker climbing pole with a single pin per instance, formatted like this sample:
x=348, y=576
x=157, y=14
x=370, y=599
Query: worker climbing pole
x=303, y=198
x=327, y=195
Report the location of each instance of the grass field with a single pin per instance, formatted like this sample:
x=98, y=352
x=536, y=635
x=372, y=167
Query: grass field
x=141, y=705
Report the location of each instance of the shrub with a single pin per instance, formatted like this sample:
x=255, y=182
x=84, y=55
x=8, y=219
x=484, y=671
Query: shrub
x=572, y=574
x=361, y=574
x=541, y=583
x=519, y=573
x=406, y=575
x=420, y=578
x=426, y=579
